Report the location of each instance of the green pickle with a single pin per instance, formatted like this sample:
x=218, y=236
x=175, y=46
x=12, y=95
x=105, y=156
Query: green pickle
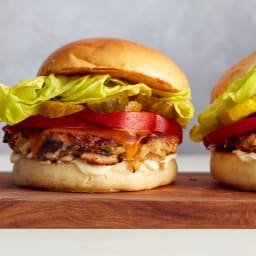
x=133, y=105
x=54, y=109
x=110, y=104
x=122, y=102
x=156, y=105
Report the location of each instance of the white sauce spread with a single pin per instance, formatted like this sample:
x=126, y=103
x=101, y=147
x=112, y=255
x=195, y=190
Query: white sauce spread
x=243, y=156
x=124, y=167
x=147, y=165
x=93, y=169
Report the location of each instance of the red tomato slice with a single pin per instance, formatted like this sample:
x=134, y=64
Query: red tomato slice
x=145, y=121
x=134, y=121
x=227, y=131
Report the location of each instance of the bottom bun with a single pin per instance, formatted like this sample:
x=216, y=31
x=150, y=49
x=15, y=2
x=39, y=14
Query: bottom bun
x=80, y=177
x=230, y=170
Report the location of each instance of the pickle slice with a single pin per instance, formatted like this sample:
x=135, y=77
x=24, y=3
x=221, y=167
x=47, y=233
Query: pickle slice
x=157, y=106
x=53, y=109
x=133, y=105
x=110, y=104
x=238, y=111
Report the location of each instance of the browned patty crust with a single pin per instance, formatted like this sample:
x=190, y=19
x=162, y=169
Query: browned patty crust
x=64, y=145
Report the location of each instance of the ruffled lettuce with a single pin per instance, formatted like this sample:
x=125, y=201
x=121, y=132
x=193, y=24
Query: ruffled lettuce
x=181, y=102
x=24, y=99
x=240, y=90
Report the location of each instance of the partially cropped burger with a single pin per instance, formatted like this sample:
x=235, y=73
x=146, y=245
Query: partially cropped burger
x=103, y=114
x=228, y=126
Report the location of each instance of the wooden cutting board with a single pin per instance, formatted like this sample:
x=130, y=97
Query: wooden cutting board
x=195, y=200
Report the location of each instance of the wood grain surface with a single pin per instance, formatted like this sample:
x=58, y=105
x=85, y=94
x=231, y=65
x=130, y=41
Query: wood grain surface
x=195, y=200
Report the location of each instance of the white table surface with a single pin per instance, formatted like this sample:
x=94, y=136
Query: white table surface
x=129, y=242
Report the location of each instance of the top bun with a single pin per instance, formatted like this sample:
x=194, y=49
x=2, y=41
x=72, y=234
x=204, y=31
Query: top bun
x=237, y=71
x=119, y=58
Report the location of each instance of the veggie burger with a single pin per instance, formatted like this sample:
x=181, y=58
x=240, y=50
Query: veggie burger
x=102, y=115
x=228, y=126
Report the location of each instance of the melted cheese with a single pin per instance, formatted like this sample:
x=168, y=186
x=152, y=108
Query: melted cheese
x=131, y=149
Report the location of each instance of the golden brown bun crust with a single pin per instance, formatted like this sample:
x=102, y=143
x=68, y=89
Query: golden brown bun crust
x=238, y=70
x=119, y=58
x=67, y=177
x=230, y=170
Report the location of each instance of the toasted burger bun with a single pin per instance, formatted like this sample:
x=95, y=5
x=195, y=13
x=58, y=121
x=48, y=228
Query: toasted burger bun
x=230, y=170
x=227, y=167
x=83, y=178
x=124, y=60
x=121, y=59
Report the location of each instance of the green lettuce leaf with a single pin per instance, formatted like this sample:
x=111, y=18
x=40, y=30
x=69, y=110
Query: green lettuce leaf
x=240, y=90
x=181, y=102
x=24, y=99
